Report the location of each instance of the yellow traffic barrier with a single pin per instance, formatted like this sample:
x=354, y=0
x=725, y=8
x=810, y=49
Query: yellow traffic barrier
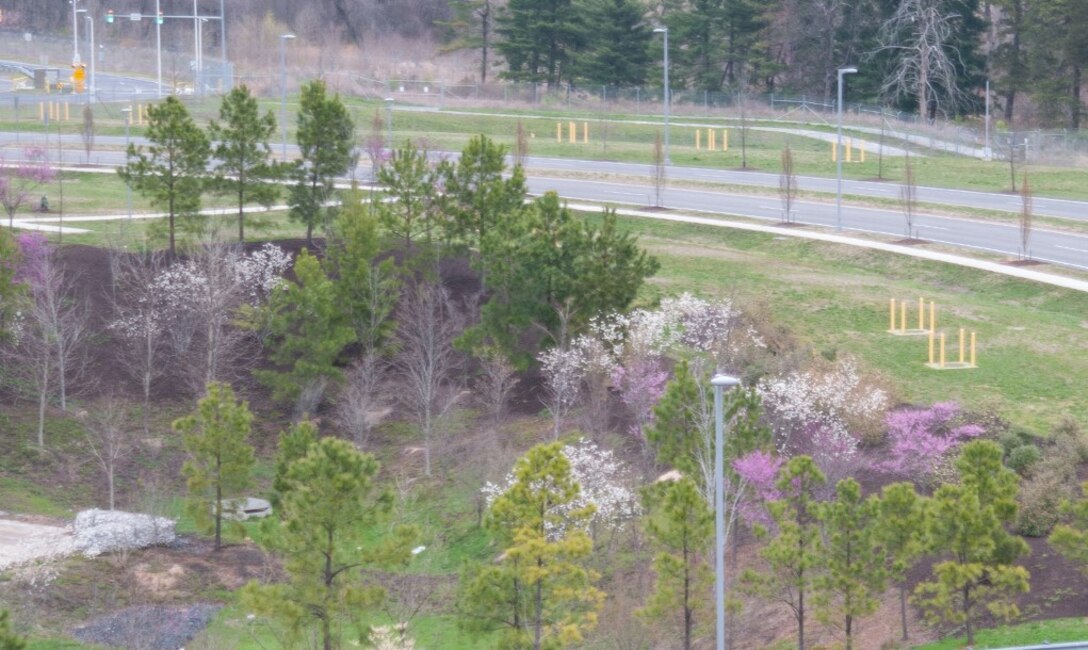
x=573, y=133
x=698, y=135
x=897, y=320
x=67, y=117
x=849, y=150
x=725, y=139
x=585, y=132
x=973, y=364
x=559, y=132
x=967, y=359
x=41, y=111
x=834, y=151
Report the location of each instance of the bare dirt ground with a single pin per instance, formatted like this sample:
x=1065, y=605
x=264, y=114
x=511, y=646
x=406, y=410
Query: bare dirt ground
x=22, y=541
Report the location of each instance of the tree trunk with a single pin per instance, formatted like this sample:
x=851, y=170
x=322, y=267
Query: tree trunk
x=109, y=480
x=967, y=616
x=326, y=624
x=241, y=209
x=849, y=632
x=1075, y=110
x=688, y=622
x=218, y=502
x=903, y=608
x=538, y=624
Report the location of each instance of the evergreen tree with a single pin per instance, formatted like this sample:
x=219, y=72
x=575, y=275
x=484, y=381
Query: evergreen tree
x=900, y=533
x=540, y=592
x=968, y=521
x=309, y=328
x=472, y=27
x=171, y=174
x=682, y=527
x=368, y=289
x=854, y=561
x=326, y=142
x=410, y=182
x=720, y=39
x=8, y=639
x=241, y=147
x=538, y=40
x=796, y=553
x=617, y=43
x=220, y=458
x=293, y=444
x=330, y=507
x=1071, y=538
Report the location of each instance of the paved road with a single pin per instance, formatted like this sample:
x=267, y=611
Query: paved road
x=1068, y=249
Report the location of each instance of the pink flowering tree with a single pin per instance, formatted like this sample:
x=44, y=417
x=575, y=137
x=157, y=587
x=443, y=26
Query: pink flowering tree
x=19, y=180
x=33, y=257
x=641, y=383
x=919, y=438
x=758, y=470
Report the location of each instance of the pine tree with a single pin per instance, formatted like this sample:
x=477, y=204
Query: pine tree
x=796, y=553
x=540, y=592
x=410, y=182
x=539, y=38
x=968, y=521
x=329, y=510
x=293, y=444
x=8, y=639
x=854, y=562
x=241, y=147
x=220, y=458
x=172, y=172
x=900, y=533
x=326, y=142
x=617, y=43
x=309, y=329
x=682, y=527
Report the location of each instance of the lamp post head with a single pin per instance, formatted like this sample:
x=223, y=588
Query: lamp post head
x=848, y=70
x=724, y=381
x=286, y=36
x=661, y=30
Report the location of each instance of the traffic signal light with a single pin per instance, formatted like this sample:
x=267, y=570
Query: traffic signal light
x=158, y=19
x=109, y=15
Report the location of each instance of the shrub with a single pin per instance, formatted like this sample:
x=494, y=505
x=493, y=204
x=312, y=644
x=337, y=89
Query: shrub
x=1040, y=504
x=1022, y=458
x=1012, y=440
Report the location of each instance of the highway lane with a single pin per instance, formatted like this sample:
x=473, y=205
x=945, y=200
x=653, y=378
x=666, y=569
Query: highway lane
x=1068, y=249
x=1043, y=206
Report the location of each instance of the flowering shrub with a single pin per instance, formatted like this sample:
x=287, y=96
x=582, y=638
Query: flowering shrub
x=262, y=271
x=603, y=482
x=104, y=531
x=641, y=384
x=33, y=251
x=759, y=470
x=919, y=438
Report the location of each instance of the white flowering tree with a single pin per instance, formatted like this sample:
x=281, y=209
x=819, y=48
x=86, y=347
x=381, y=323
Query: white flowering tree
x=563, y=369
x=604, y=482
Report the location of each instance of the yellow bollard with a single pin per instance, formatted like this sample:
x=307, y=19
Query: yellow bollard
x=66, y=116
x=585, y=132
x=942, y=349
x=973, y=364
x=849, y=150
x=931, y=341
x=41, y=112
x=725, y=139
x=932, y=317
x=921, y=314
x=713, y=141
x=834, y=152
x=559, y=132
x=961, y=345
x=891, y=315
x=572, y=132
x=903, y=316
x=698, y=137
x=861, y=151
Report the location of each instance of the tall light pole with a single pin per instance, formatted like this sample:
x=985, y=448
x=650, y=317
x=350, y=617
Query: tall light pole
x=838, y=150
x=158, y=46
x=665, y=95
x=75, y=34
x=283, y=90
x=389, y=122
x=91, y=88
x=128, y=120
x=720, y=384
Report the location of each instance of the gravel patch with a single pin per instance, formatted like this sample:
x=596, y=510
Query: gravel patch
x=148, y=627
x=22, y=542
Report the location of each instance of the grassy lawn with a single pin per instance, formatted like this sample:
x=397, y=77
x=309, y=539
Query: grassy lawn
x=1034, y=633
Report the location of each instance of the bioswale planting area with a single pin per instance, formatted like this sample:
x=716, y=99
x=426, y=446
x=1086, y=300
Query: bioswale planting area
x=812, y=304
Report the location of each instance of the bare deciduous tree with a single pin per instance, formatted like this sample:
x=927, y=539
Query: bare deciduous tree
x=659, y=171
x=920, y=33
x=787, y=185
x=497, y=381
x=1026, y=220
x=427, y=324
x=360, y=400
x=908, y=195
x=87, y=132
x=215, y=304
x=109, y=438
x=139, y=323
x=521, y=145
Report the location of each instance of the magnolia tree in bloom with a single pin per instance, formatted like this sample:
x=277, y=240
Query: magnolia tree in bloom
x=603, y=480
x=759, y=471
x=19, y=180
x=920, y=437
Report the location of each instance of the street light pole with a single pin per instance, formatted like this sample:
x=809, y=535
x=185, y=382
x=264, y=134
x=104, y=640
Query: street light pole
x=283, y=90
x=665, y=96
x=720, y=383
x=838, y=151
x=389, y=121
x=91, y=87
x=158, y=45
x=75, y=34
